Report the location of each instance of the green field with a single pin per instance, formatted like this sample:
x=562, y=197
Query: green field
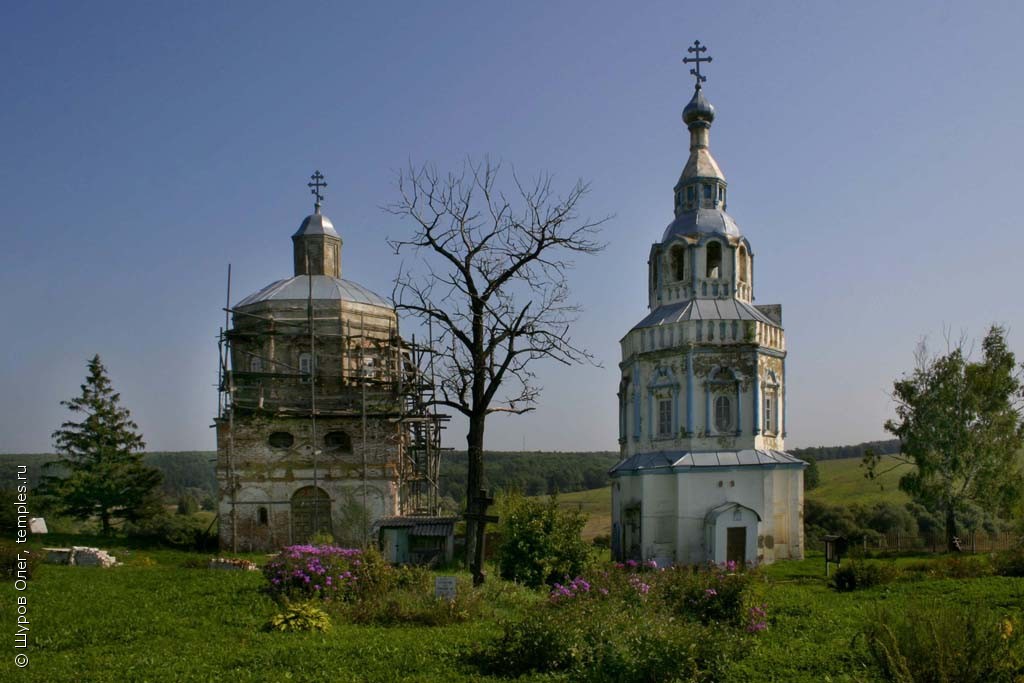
x=842, y=483
x=154, y=620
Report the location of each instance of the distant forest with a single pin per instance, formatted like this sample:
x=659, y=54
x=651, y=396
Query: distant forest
x=532, y=473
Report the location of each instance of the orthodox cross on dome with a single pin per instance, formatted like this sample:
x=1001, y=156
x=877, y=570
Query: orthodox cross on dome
x=697, y=49
x=318, y=182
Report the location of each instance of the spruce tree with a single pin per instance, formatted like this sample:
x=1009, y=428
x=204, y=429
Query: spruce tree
x=101, y=456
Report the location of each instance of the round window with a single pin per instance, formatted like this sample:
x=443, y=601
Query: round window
x=281, y=440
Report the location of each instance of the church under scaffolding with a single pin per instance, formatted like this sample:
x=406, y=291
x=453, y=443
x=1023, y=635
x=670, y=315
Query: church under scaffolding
x=324, y=424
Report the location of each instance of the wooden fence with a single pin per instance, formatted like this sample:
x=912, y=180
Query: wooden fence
x=970, y=542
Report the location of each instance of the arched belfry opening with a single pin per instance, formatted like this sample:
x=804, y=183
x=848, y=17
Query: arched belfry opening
x=679, y=262
x=713, y=259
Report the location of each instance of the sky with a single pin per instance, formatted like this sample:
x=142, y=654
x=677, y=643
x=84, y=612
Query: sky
x=872, y=151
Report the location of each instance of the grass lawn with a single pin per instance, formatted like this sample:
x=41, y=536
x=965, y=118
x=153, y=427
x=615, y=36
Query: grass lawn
x=154, y=620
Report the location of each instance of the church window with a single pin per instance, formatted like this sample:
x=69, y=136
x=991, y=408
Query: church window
x=721, y=331
x=263, y=517
x=711, y=331
x=735, y=329
x=723, y=413
x=689, y=194
x=700, y=332
x=306, y=367
x=713, y=256
x=280, y=440
x=707, y=192
x=665, y=417
x=768, y=424
x=742, y=258
x=721, y=193
x=338, y=441
x=255, y=364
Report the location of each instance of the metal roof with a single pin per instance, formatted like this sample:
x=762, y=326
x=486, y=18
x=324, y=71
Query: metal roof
x=325, y=287
x=701, y=220
x=703, y=309
x=316, y=224
x=685, y=460
x=420, y=526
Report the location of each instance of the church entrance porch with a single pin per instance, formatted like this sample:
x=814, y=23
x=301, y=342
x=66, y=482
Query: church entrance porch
x=730, y=534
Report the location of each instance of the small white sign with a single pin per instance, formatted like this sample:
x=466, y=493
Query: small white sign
x=444, y=587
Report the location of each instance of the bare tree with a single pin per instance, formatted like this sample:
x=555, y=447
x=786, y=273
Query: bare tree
x=490, y=279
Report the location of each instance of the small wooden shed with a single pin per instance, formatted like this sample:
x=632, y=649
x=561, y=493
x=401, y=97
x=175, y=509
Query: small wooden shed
x=417, y=540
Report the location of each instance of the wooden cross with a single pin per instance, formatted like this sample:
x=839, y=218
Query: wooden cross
x=318, y=182
x=478, y=513
x=696, y=49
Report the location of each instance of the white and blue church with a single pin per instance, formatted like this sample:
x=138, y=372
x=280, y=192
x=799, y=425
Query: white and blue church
x=703, y=475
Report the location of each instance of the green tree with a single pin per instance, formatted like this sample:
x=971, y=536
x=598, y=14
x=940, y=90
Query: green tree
x=812, y=477
x=540, y=542
x=959, y=423
x=101, y=456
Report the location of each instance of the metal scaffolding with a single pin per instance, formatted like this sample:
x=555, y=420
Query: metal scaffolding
x=377, y=377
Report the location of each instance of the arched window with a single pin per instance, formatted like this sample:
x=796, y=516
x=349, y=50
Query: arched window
x=723, y=413
x=338, y=441
x=713, y=257
x=741, y=256
x=679, y=262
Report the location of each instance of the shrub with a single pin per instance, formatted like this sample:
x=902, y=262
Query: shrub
x=711, y=594
x=605, y=640
x=303, y=572
x=178, y=531
x=1009, y=562
x=857, y=575
x=941, y=644
x=10, y=564
x=300, y=617
x=541, y=542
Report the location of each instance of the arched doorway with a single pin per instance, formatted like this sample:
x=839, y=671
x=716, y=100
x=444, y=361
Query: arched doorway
x=311, y=513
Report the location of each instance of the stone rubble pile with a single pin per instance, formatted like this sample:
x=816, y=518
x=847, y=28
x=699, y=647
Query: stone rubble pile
x=231, y=564
x=80, y=556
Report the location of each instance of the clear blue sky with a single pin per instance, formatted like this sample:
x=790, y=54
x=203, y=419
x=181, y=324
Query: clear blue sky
x=873, y=152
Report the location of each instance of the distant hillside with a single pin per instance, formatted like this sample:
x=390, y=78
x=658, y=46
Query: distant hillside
x=890, y=447
x=191, y=471
x=533, y=473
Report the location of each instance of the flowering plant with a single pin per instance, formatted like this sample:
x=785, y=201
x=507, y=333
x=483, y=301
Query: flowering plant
x=324, y=572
